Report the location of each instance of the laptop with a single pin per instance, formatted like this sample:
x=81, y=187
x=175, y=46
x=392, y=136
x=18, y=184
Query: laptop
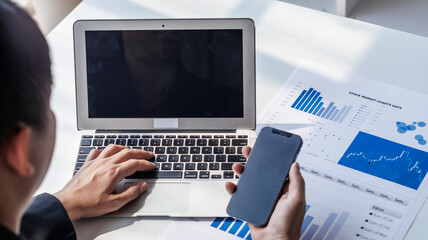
x=181, y=88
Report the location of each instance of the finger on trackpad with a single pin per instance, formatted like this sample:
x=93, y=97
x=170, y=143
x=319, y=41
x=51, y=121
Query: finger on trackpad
x=160, y=198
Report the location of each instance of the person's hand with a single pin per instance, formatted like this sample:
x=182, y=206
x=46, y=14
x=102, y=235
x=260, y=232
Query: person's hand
x=287, y=217
x=90, y=192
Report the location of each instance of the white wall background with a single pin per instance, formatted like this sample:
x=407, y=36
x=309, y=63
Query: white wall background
x=404, y=15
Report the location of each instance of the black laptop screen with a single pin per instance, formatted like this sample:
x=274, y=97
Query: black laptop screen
x=165, y=74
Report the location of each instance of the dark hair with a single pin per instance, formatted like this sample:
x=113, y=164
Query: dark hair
x=25, y=76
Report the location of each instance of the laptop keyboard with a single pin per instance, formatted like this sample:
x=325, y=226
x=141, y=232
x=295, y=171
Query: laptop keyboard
x=177, y=156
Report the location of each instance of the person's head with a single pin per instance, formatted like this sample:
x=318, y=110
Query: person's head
x=27, y=124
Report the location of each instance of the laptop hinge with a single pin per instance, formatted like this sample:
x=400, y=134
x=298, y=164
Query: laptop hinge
x=166, y=131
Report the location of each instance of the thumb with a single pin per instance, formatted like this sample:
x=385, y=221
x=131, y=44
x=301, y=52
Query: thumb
x=130, y=193
x=296, y=188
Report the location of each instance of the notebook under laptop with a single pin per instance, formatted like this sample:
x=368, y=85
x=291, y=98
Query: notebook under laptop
x=184, y=89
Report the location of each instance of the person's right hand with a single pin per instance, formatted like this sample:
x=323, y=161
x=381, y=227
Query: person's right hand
x=90, y=192
x=287, y=217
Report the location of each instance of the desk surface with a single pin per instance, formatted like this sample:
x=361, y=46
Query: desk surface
x=285, y=35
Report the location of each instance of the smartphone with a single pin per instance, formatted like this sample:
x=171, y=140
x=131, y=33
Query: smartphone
x=264, y=177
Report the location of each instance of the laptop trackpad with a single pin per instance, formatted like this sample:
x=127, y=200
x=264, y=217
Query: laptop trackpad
x=159, y=199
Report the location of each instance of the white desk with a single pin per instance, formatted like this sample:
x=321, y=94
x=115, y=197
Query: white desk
x=286, y=34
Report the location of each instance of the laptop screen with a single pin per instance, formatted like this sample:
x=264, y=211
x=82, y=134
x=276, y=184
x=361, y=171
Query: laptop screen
x=165, y=73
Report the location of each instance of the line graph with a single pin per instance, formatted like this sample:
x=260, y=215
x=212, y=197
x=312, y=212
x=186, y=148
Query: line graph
x=413, y=165
x=386, y=159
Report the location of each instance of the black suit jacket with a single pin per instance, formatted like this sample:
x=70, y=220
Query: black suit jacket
x=45, y=219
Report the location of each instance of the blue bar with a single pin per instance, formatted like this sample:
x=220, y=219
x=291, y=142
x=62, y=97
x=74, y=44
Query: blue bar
x=307, y=207
x=308, y=100
x=312, y=102
x=327, y=109
x=326, y=226
x=226, y=224
x=321, y=111
x=318, y=108
x=306, y=221
x=217, y=222
x=244, y=231
x=249, y=237
x=298, y=99
x=334, y=114
x=346, y=113
x=337, y=226
x=315, y=105
x=304, y=98
x=330, y=112
x=311, y=232
x=235, y=226
x=340, y=113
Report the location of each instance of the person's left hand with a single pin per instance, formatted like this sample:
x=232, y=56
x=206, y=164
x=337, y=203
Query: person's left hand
x=287, y=217
x=90, y=192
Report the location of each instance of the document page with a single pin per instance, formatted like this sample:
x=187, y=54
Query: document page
x=364, y=157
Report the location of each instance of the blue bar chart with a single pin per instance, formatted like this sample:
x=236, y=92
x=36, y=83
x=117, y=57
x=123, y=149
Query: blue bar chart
x=327, y=230
x=310, y=101
x=232, y=226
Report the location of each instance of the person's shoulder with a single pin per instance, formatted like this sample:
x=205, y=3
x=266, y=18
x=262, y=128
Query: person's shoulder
x=37, y=224
x=6, y=234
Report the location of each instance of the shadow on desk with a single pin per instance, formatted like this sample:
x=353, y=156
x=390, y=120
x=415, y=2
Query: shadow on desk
x=95, y=227
x=120, y=228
